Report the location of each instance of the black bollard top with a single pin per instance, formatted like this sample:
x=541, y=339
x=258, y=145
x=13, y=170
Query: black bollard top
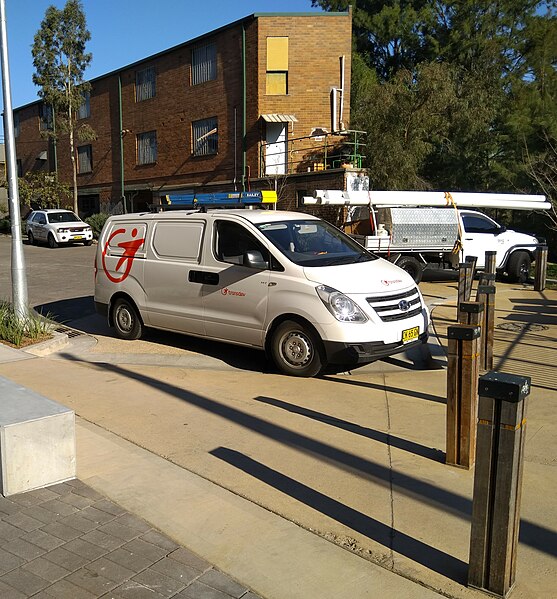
x=486, y=289
x=506, y=387
x=471, y=307
x=464, y=332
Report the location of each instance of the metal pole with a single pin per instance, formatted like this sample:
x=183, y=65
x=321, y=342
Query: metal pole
x=122, y=192
x=19, y=281
x=541, y=268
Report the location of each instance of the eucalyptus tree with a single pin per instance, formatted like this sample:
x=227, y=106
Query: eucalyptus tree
x=60, y=60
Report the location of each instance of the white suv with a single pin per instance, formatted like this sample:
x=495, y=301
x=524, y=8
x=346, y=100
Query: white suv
x=55, y=226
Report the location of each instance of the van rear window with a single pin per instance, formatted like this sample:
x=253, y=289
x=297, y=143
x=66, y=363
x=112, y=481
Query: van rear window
x=178, y=240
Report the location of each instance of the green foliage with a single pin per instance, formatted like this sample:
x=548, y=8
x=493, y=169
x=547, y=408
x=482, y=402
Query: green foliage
x=44, y=190
x=97, y=222
x=60, y=60
x=22, y=330
x=456, y=94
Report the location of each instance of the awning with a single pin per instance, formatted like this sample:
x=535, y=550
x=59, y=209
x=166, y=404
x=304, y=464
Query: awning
x=279, y=118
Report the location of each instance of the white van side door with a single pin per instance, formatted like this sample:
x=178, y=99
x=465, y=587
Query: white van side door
x=174, y=302
x=235, y=294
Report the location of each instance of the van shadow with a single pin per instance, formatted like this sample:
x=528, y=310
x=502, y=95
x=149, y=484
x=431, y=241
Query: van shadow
x=79, y=313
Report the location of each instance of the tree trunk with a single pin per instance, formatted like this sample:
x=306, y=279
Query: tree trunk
x=74, y=164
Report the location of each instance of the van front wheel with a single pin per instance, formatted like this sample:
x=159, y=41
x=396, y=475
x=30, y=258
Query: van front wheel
x=125, y=318
x=296, y=350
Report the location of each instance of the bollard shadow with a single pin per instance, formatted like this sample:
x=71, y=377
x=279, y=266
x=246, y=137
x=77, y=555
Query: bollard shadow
x=418, y=551
x=387, y=438
x=368, y=385
x=540, y=538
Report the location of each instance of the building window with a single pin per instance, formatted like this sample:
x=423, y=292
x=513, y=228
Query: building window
x=84, y=111
x=46, y=120
x=147, y=147
x=84, y=159
x=145, y=84
x=205, y=137
x=19, y=167
x=277, y=66
x=16, y=125
x=203, y=63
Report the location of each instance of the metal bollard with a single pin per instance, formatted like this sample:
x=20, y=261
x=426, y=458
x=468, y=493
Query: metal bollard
x=472, y=260
x=498, y=482
x=462, y=395
x=465, y=274
x=490, y=262
x=486, y=295
x=541, y=268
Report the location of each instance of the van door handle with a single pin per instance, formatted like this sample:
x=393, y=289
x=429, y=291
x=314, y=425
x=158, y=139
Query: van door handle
x=205, y=278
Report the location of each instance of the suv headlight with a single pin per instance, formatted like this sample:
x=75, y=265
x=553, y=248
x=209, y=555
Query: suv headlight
x=339, y=305
x=62, y=230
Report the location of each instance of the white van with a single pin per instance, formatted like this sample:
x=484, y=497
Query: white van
x=285, y=282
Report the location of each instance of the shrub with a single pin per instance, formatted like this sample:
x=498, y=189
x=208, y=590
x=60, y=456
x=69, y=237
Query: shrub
x=22, y=331
x=96, y=221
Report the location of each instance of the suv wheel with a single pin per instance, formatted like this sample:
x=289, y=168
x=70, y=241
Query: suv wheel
x=52, y=243
x=31, y=238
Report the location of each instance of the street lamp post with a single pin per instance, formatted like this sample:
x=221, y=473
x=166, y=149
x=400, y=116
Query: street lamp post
x=19, y=281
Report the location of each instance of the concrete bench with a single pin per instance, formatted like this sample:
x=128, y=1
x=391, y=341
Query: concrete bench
x=37, y=440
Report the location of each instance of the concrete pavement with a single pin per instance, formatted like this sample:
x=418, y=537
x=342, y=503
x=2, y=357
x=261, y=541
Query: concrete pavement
x=294, y=493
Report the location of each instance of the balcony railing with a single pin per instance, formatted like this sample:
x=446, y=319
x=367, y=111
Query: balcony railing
x=312, y=153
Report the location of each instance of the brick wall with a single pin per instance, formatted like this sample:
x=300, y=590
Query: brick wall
x=315, y=44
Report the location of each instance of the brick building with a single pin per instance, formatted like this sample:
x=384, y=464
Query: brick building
x=257, y=104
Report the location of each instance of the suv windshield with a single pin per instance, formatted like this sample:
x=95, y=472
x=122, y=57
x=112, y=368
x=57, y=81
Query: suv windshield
x=314, y=243
x=62, y=217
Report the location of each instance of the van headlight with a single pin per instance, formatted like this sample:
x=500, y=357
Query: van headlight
x=339, y=305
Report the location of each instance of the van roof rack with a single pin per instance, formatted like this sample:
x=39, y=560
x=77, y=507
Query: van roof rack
x=233, y=199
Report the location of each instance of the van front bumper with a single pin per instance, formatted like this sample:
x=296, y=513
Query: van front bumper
x=359, y=353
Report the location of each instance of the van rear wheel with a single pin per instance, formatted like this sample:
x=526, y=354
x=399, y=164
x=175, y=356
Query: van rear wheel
x=126, y=321
x=296, y=350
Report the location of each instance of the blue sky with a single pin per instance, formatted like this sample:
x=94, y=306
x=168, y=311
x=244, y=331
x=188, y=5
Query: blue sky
x=123, y=31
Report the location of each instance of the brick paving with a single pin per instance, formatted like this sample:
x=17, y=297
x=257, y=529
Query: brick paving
x=67, y=541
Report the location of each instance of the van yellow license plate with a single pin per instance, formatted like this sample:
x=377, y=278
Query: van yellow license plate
x=410, y=334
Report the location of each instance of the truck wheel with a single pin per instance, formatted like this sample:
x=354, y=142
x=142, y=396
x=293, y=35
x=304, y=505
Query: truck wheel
x=126, y=321
x=412, y=266
x=52, y=243
x=518, y=268
x=296, y=350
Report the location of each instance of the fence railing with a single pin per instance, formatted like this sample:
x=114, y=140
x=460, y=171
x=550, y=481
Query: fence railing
x=312, y=153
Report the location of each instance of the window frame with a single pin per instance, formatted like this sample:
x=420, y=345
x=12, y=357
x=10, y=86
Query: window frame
x=204, y=143
x=153, y=148
x=89, y=152
x=85, y=107
x=204, y=66
x=147, y=88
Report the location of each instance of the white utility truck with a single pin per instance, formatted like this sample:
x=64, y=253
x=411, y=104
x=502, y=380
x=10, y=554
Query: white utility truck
x=416, y=230
x=285, y=282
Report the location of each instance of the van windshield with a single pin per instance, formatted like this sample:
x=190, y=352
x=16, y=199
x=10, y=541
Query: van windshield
x=314, y=243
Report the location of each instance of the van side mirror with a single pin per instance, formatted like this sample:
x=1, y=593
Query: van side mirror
x=254, y=259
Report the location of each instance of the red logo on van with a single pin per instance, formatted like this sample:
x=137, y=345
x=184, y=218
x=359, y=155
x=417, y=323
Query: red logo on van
x=226, y=291
x=130, y=248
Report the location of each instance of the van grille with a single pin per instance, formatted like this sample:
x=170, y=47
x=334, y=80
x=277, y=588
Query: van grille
x=388, y=307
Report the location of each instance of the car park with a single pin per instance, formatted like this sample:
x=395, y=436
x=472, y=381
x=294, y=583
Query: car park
x=56, y=227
